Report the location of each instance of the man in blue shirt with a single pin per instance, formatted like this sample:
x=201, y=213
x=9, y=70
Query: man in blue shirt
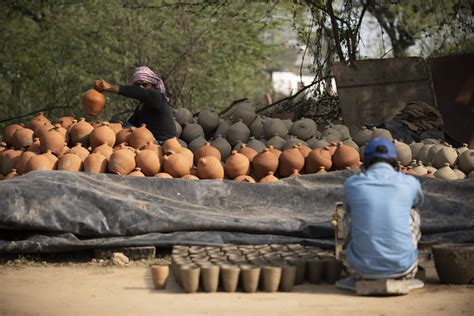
x=382, y=220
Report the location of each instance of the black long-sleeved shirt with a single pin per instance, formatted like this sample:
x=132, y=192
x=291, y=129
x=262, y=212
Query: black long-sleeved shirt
x=154, y=111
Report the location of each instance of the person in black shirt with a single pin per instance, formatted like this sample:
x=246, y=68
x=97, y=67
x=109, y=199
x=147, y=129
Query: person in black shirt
x=153, y=110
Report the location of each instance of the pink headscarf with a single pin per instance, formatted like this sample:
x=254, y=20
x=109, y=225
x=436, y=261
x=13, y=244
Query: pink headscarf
x=145, y=74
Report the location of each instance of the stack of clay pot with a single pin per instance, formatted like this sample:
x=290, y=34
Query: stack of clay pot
x=250, y=268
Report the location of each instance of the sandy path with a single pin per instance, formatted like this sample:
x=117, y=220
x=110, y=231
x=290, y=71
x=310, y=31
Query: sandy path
x=96, y=290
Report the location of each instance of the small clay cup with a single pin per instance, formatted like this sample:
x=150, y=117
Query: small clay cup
x=190, y=278
x=300, y=265
x=210, y=278
x=250, y=276
x=288, y=277
x=271, y=277
x=314, y=270
x=332, y=269
x=230, y=277
x=160, y=274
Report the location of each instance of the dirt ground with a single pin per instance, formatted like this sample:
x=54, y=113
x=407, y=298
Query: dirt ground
x=103, y=289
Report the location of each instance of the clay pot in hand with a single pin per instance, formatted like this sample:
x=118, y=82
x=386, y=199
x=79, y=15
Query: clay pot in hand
x=237, y=165
x=290, y=160
x=148, y=161
x=245, y=178
x=96, y=163
x=38, y=163
x=80, y=132
x=80, y=151
x=93, y=102
x=176, y=165
x=248, y=152
x=159, y=275
x=70, y=162
x=8, y=133
x=205, y=151
x=210, y=278
x=102, y=134
x=23, y=137
x=122, y=162
x=250, y=276
x=53, y=140
x=264, y=162
x=317, y=158
x=269, y=178
x=171, y=144
x=345, y=156
x=210, y=168
x=140, y=136
x=23, y=161
x=136, y=173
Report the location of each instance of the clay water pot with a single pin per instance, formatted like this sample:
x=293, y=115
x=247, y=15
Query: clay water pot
x=415, y=149
x=159, y=275
x=8, y=133
x=171, y=144
x=53, y=160
x=256, y=127
x=317, y=158
x=148, y=162
x=255, y=144
x=122, y=135
x=116, y=127
x=197, y=143
x=156, y=148
x=343, y=130
x=38, y=163
x=82, y=152
x=264, y=162
x=331, y=134
x=362, y=136
x=137, y=172
x=12, y=174
x=446, y=154
x=461, y=175
x=38, y=121
x=430, y=168
x=70, y=162
x=164, y=175
x=248, y=152
x=23, y=161
x=300, y=273
x=433, y=151
x=222, y=128
x=270, y=279
x=446, y=173
x=93, y=102
x=466, y=161
x=102, y=134
x=454, y=263
x=462, y=149
x=302, y=130
x=183, y=116
x=122, y=162
x=346, y=156
x=222, y=145
x=292, y=141
x=66, y=121
x=209, y=120
x=304, y=150
x=314, y=143
x=244, y=111
x=23, y=137
x=53, y=140
x=9, y=160
x=210, y=168
x=410, y=170
x=423, y=153
x=314, y=270
x=230, y=277
x=140, y=136
x=188, y=154
x=269, y=178
x=190, y=177
x=249, y=277
x=274, y=127
x=274, y=151
x=294, y=173
x=382, y=133
x=205, y=151
x=245, y=178
x=237, y=165
x=290, y=160
x=276, y=142
x=210, y=278
x=35, y=146
x=332, y=269
x=288, y=278
x=190, y=278
x=80, y=132
x=238, y=132
x=176, y=165
x=192, y=131
x=95, y=163
x=420, y=169
x=104, y=149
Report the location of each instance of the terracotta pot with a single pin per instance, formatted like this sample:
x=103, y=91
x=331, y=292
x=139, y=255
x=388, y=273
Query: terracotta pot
x=164, y=175
x=53, y=160
x=429, y=167
x=304, y=150
x=9, y=160
x=192, y=131
x=314, y=270
x=183, y=116
x=171, y=144
x=245, y=178
x=137, y=172
x=290, y=160
x=64, y=150
x=274, y=151
x=210, y=168
x=35, y=146
x=230, y=277
x=140, y=137
x=104, y=149
x=454, y=263
x=276, y=142
x=446, y=154
x=303, y=129
x=292, y=141
x=23, y=161
x=269, y=178
x=274, y=127
x=81, y=151
x=122, y=162
x=156, y=148
x=190, y=177
x=38, y=121
x=209, y=120
x=38, y=163
x=271, y=277
x=332, y=269
x=288, y=278
x=250, y=276
x=188, y=154
x=80, y=132
x=264, y=162
x=12, y=174
x=300, y=273
x=350, y=142
x=205, y=151
x=197, y=143
x=238, y=132
x=176, y=165
x=420, y=169
x=160, y=275
x=244, y=111
x=102, y=134
x=23, y=137
x=116, y=127
x=256, y=127
x=70, y=162
x=148, y=161
x=122, y=136
x=429, y=174
x=53, y=140
x=93, y=102
x=210, y=278
x=294, y=173
x=8, y=133
x=446, y=173
x=255, y=144
x=237, y=165
x=466, y=161
x=345, y=156
x=66, y=121
x=248, y=152
x=190, y=278
x=317, y=158
x=96, y=163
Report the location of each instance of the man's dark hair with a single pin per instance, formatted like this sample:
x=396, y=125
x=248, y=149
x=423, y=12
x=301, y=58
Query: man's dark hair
x=382, y=150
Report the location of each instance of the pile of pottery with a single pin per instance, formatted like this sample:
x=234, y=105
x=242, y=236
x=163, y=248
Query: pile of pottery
x=268, y=268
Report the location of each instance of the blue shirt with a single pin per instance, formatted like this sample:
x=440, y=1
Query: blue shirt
x=380, y=202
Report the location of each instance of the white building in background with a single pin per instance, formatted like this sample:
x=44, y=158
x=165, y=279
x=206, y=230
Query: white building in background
x=288, y=83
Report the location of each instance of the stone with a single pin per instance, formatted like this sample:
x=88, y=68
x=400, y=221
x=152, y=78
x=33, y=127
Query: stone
x=382, y=287
x=119, y=259
x=134, y=253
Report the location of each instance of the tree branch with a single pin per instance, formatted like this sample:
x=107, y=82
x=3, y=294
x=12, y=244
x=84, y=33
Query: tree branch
x=46, y=109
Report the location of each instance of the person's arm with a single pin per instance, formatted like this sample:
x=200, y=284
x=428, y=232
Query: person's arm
x=418, y=200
